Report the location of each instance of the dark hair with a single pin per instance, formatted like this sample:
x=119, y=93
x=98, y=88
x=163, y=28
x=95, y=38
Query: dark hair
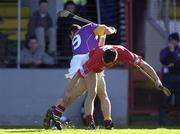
x=74, y=28
x=173, y=36
x=109, y=55
x=43, y=1
x=69, y=3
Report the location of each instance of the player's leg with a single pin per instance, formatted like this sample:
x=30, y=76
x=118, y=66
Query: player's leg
x=77, y=91
x=105, y=103
x=74, y=82
x=60, y=105
x=59, y=108
x=71, y=85
x=55, y=112
x=91, y=82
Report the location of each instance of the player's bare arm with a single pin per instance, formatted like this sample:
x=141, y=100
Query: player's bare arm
x=102, y=40
x=149, y=70
x=145, y=68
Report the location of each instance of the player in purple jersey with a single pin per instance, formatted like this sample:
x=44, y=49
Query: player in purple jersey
x=84, y=39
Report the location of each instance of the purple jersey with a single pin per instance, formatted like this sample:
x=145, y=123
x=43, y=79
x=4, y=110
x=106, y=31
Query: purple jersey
x=85, y=40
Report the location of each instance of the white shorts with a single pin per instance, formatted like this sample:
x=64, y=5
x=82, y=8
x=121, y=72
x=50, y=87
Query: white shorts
x=76, y=62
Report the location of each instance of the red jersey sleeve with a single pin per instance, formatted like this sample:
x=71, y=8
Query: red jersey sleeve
x=131, y=57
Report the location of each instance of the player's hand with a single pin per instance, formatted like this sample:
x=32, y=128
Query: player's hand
x=165, y=90
x=114, y=29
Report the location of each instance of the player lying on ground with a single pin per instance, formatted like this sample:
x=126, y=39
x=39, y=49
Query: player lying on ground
x=83, y=40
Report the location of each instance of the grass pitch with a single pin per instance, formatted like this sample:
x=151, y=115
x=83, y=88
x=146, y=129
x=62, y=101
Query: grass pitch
x=134, y=130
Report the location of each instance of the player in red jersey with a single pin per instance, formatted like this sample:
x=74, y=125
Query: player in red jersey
x=109, y=56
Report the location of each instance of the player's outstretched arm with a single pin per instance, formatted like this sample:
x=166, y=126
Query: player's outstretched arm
x=149, y=70
x=145, y=68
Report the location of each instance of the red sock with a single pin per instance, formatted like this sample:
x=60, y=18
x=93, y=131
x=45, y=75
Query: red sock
x=89, y=119
x=58, y=110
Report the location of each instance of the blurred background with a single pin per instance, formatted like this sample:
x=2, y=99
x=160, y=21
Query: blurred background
x=28, y=87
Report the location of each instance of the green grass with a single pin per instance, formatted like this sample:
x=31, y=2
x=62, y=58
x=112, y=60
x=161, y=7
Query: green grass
x=135, y=130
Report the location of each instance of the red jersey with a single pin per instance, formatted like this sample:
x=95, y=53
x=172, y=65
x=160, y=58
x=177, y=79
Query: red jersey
x=96, y=64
